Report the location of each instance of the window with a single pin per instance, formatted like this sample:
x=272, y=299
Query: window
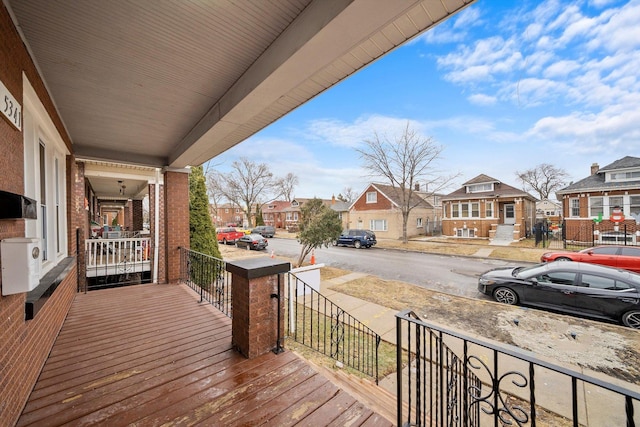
x=597, y=282
x=465, y=232
x=44, y=158
x=629, y=251
x=372, y=197
x=226, y=210
x=595, y=206
x=419, y=223
x=478, y=188
x=634, y=207
x=295, y=216
x=625, y=176
x=488, y=209
x=574, y=208
x=614, y=202
x=558, y=278
x=465, y=210
x=475, y=210
x=455, y=210
x=378, y=225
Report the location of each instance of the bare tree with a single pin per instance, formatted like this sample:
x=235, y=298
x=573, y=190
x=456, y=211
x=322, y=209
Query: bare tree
x=544, y=179
x=404, y=161
x=286, y=185
x=248, y=185
x=348, y=195
x=214, y=192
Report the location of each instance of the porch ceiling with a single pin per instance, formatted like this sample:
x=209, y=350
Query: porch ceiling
x=171, y=84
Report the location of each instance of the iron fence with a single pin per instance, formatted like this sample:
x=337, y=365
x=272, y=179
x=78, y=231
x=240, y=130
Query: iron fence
x=207, y=275
x=317, y=323
x=452, y=379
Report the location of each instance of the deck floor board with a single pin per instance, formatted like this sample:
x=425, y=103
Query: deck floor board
x=152, y=354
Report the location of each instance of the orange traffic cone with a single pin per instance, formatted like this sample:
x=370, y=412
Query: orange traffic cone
x=313, y=257
x=272, y=254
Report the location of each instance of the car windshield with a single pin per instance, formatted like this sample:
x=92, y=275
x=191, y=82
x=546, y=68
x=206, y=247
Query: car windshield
x=526, y=272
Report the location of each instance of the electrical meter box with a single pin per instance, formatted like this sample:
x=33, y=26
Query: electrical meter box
x=20, y=265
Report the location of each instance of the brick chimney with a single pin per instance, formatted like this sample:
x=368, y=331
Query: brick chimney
x=594, y=168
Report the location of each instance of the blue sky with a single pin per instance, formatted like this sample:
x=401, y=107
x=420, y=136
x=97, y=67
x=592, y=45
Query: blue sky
x=503, y=86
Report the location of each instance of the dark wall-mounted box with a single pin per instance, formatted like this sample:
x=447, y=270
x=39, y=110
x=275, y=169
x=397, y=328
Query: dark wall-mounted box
x=15, y=206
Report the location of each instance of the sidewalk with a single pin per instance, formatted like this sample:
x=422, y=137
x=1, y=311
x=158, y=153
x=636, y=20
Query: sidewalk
x=553, y=391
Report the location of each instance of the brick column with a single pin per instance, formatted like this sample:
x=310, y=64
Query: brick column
x=176, y=210
x=137, y=220
x=257, y=292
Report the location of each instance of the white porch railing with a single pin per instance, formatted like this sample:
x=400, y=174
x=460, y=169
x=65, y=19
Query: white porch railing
x=106, y=257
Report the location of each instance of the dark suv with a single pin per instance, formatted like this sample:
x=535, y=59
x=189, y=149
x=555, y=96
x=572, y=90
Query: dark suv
x=264, y=231
x=356, y=238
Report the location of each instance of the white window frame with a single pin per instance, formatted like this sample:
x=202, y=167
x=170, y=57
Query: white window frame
x=372, y=197
x=634, y=208
x=488, y=210
x=574, y=201
x=378, y=224
x=418, y=222
x=480, y=188
x=39, y=130
x=592, y=207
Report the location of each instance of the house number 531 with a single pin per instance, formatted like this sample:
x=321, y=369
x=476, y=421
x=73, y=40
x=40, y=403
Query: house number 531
x=10, y=107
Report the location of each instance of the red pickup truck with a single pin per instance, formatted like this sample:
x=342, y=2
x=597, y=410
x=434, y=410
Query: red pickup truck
x=228, y=235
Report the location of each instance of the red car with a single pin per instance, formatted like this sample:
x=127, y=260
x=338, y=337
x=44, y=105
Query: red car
x=626, y=257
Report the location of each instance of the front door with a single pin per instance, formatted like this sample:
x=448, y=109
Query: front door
x=510, y=214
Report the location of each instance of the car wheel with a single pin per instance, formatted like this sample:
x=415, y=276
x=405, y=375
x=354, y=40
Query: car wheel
x=505, y=296
x=224, y=241
x=357, y=244
x=632, y=319
x=334, y=243
x=563, y=258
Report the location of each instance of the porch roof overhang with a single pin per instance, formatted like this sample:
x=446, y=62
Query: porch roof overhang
x=173, y=84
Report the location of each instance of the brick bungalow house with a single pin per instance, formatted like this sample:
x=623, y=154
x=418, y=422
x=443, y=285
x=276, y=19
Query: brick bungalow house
x=285, y=215
x=600, y=207
x=378, y=208
x=483, y=205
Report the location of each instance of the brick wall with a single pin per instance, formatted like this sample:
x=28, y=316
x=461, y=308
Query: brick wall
x=24, y=345
x=176, y=203
x=137, y=213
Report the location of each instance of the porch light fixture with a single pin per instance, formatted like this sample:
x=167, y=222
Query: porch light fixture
x=122, y=187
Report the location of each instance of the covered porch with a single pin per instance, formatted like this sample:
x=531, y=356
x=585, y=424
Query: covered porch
x=153, y=355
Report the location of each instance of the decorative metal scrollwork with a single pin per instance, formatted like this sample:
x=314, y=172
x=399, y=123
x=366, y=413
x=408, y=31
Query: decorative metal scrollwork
x=507, y=413
x=337, y=333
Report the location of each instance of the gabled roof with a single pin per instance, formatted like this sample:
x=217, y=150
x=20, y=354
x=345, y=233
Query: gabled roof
x=623, y=163
x=500, y=190
x=394, y=195
x=481, y=179
x=596, y=181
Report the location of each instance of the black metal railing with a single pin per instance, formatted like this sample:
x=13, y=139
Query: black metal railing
x=317, y=323
x=481, y=383
x=207, y=275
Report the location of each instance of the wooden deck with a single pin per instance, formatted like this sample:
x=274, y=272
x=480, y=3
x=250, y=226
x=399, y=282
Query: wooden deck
x=152, y=355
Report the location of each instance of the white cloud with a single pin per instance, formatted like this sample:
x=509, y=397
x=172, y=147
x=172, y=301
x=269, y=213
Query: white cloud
x=482, y=99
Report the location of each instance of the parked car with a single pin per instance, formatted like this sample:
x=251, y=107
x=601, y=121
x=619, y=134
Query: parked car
x=570, y=287
x=356, y=238
x=252, y=241
x=228, y=235
x=618, y=256
x=265, y=231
